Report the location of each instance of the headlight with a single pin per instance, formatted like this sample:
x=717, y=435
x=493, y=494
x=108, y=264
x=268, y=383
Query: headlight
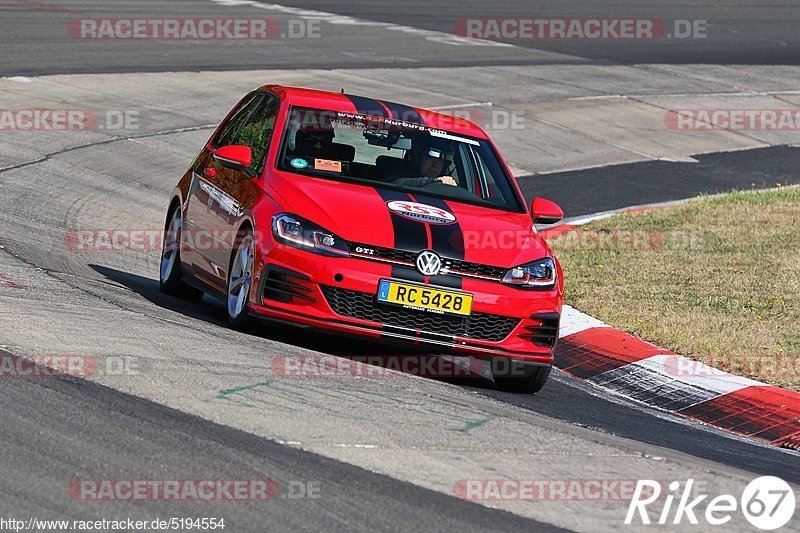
x=540, y=274
x=300, y=233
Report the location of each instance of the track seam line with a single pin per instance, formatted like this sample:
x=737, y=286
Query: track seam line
x=106, y=141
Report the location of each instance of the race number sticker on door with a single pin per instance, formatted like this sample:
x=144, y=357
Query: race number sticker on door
x=421, y=212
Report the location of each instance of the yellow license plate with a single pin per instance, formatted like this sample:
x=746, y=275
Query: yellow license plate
x=424, y=298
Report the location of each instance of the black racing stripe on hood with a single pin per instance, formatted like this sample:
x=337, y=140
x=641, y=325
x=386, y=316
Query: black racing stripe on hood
x=368, y=106
x=408, y=235
x=447, y=241
x=404, y=113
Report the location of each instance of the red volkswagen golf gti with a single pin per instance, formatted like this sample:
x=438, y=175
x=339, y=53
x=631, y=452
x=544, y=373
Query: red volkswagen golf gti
x=368, y=218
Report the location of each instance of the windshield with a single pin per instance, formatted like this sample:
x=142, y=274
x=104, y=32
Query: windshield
x=395, y=154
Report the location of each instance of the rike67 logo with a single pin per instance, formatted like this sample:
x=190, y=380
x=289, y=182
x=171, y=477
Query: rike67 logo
x=767, y=502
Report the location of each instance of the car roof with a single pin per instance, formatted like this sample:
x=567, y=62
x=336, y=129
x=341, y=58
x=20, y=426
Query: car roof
x=334, y=101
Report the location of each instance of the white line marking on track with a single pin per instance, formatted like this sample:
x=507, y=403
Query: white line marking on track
x=676, y=95
x=345, y=20
x=459, y=106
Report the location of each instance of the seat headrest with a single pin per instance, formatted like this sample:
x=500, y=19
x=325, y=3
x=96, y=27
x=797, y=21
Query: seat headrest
x=341, y=152
x=385, y=164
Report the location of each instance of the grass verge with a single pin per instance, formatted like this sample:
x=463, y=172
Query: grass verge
x=716, y=279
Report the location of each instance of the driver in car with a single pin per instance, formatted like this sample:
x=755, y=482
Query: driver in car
x=428, y=165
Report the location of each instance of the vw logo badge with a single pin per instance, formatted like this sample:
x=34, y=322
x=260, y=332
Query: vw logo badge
x=429, y=263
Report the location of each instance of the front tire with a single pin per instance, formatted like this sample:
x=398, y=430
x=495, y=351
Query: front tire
x=240, y=278
x=170, y=272
x=520, y=379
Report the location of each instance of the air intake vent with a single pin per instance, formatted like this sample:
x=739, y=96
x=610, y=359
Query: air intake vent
x=544, y=334
x=284, y=285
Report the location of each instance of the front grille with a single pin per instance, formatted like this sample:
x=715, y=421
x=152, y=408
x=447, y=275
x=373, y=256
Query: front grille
x=394, y=254
x=454, y=267
x=355, y=304
x=475, y=268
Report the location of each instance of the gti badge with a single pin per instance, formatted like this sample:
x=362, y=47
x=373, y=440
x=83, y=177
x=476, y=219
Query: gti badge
x=429, y=263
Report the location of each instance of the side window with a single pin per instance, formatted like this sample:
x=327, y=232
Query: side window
x=258, y=129
x=495, y=191
x=230, y=131
x=464, y=168
x=488, y=179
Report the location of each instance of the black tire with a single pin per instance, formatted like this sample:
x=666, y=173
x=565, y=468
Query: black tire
x=170, y=271
x=239, y=314
x=525, y=379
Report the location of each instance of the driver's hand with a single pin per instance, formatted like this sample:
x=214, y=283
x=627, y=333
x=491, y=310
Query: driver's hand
x=447, y=180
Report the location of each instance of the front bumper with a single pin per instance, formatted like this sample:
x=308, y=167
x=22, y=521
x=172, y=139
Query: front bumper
x=338, y=294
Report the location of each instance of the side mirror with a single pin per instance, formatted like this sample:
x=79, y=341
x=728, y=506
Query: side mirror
x=236, y=157
x=545, y=212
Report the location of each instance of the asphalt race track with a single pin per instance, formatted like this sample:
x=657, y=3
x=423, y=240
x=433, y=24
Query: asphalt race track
x=386, y=452
x=738, y=32
x=157, y=442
